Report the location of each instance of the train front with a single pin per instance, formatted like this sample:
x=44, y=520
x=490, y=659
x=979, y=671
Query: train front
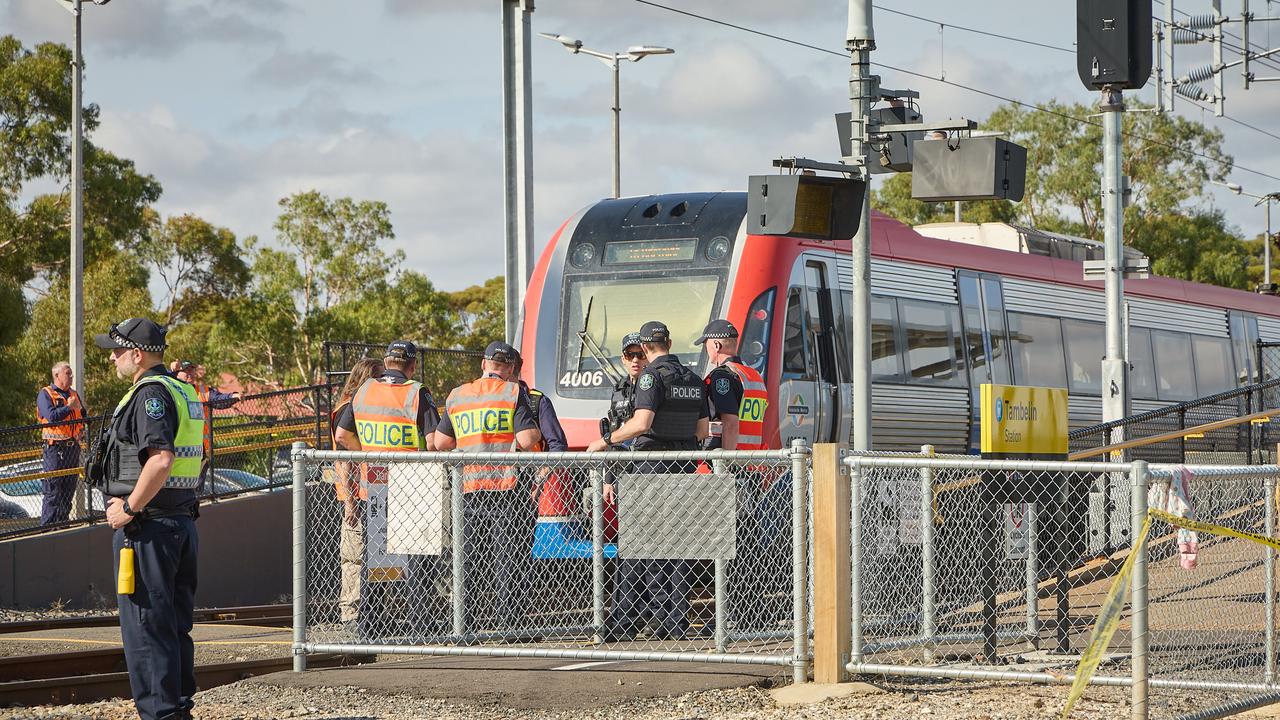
x=611, y=268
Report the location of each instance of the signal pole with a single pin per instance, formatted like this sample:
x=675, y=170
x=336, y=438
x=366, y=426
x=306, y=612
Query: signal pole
x=861, y=41
x=517, y=159
x=1115, y=392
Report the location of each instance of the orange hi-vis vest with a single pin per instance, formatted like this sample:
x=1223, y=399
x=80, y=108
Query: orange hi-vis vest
x=483, y=416
x=386, y=415
x=362, y=470
x=202, y=392
x=60, y=433
x=755, y=401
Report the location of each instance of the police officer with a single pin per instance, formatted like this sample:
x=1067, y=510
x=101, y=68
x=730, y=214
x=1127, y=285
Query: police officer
x=392, y=413
x=59, y=403
x=153, y=457
x=738, y=398
x=622, y=403
x=670, y=414
x=492, y=415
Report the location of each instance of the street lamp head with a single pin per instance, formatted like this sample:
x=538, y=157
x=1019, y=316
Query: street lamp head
x=101, y=2
x=571, y=44
x=639, y=52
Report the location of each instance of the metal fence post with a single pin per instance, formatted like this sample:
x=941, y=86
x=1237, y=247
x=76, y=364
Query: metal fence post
x=1033, y=574
x=458, y=540
x=928, y=610
x=597, y=547
x=299, y=558
x=855, y=563
x=1138, y=592
x=800, y=453
x=721, y=569
x=1269, y=577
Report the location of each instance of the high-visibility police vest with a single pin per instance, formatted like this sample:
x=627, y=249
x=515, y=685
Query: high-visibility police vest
x=755, y=401
x=483, y=416
x=362, y=470
x=188, y=444
x=58, y=433
x=386, y=415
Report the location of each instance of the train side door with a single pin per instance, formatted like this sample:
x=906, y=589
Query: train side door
x=986, y=342
x=808, y=404
x=822, y=305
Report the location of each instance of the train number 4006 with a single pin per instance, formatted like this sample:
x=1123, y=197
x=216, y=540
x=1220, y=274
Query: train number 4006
x=586, y=378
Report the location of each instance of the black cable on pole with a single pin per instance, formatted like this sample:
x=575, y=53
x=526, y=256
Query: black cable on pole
x=1002, y=98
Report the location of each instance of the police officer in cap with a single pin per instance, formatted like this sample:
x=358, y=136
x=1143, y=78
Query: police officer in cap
x=670, y=414
x=622, y=403
x=150, y=469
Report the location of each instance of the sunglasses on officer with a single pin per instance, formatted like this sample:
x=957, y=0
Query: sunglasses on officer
x=633, y=355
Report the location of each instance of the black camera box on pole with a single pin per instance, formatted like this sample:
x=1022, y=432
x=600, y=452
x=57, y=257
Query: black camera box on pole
x=968, y=168
x=1113, y=43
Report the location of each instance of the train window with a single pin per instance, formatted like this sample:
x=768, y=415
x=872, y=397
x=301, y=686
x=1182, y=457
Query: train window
x=754, y=344
x=1036, y=344
x=1244, y=339
x=1213, y=364
x=993, y=298
x=1142, y=376
x=930, y=329
x=886, y=363
x=795, y=359
x=1085, y=348
x=1175, y=373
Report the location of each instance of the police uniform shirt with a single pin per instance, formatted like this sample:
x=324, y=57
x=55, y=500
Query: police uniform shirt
x=523, y=418
x=651, y=390
x=724, y=390
x=428, y=414
x=150, y=421
x=548, y=421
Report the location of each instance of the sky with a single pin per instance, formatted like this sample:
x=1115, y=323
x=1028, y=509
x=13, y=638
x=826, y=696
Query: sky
x=233, y=105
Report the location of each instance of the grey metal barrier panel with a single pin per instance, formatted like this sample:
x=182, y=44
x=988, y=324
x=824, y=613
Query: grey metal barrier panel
x=617, y=555
x=1211, y=596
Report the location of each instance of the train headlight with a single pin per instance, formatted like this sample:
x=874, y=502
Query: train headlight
x=583, y=255
x=718, y=248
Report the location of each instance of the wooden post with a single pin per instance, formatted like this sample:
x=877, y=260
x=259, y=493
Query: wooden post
x=832, y=588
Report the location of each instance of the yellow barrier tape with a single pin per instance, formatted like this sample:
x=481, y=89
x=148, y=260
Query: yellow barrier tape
x=22, y=454
x=1109, y=614
x=1108, y=620
x=270, y=430
x=42, y=474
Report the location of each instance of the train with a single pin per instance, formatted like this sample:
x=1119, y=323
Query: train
x=949, y=313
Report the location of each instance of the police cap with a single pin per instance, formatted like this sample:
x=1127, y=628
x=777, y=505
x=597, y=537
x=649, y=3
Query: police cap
x=630, y=339
x=135, y=334
x=717, y=330
x=402, y=350
x=654, y=331
x=499, y=351
x=186, y=364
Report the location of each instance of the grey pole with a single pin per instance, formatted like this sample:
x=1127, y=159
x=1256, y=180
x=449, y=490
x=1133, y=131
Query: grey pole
x=299, y=558
x=524, y=152
x=597, y=547
x=861, y=41
x=1138, y=593
x=517, y=159
x=617, y=122
x=1115, y=392
x=1167, y=89
x=855, y=559
x=1269, y=579
x=800, y=454
x=1266, y=248
x=76, y=343
x=1033, y=575
x=928, y=609
x=458, y=543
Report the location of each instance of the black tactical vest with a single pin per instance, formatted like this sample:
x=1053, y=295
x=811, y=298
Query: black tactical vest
x=676, y=418
x=622, y=404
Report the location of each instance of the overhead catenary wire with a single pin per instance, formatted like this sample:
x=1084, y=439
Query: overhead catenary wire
x=975, y=31
x=962, y=86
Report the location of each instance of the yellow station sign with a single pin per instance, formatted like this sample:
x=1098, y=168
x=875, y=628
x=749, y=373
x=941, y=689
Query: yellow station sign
x=1018, y=420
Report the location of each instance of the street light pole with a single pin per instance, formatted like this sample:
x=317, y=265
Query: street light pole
x=76, y=270
x=1266, y=238
x=614, y=61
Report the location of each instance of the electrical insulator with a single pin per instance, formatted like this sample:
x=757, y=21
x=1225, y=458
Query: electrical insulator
x=1200, y=74
x=1195, y=92
x=1200, y=22
x=1182, y=36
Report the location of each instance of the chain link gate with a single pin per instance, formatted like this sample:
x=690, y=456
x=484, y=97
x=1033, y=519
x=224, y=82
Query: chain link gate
x=701, y=556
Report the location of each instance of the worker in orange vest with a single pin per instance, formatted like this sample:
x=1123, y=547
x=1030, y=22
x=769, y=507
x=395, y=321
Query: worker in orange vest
x=59, y=403
x=739, y=399
x=493, y=415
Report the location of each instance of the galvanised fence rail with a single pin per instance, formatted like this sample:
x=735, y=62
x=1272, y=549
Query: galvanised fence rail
x=664, y=556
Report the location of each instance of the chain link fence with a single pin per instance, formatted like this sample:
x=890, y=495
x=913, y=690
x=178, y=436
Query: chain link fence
x=981, y=569
x=695, y=556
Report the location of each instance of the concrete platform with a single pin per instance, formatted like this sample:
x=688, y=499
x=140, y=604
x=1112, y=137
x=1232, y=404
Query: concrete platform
x=531, y=684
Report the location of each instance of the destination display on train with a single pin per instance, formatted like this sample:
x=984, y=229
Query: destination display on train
x=650, y=251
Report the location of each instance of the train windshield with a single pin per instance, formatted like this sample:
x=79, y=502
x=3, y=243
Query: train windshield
x=618, y=306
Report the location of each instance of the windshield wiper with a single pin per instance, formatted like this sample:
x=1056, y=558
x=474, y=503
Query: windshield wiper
x=591, y=346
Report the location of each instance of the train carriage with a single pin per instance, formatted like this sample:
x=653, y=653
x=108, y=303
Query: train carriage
x=947, y=316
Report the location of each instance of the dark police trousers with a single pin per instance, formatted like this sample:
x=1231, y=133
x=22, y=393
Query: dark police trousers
x=58, y=491
x=155, y=621
x=498, y=542
x=658, y=589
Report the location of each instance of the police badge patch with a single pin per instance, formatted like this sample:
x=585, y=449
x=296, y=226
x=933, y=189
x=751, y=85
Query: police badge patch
x=154, y=408
x=646, y=382
x=722, y=386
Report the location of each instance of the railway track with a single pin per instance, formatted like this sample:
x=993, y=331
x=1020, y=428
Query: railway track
x=92, y=675
x=271, y=615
